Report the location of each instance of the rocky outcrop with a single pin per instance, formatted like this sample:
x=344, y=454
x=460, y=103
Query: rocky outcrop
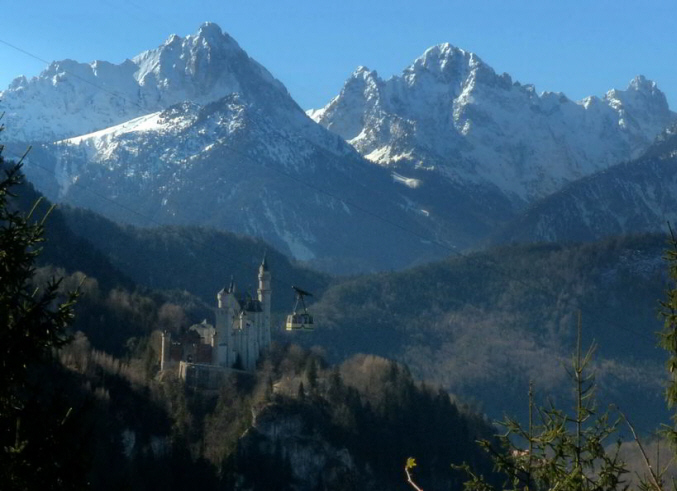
x=292, y=439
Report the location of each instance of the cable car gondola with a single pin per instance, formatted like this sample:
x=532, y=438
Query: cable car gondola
x=300, y=321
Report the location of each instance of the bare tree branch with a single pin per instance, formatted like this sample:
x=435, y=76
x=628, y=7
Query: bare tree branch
x=654, y=479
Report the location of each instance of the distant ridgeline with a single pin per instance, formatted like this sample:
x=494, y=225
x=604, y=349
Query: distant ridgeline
x=205, y=353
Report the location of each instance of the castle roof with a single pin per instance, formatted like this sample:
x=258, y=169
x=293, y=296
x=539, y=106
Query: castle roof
x=228, y=289
x=250, y=305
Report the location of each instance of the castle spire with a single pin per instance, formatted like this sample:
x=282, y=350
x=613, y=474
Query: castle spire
x=264, y=262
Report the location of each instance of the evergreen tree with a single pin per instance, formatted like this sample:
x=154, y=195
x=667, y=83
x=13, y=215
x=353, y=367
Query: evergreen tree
x=668, y=336
x=35, y=449
x=558, y=449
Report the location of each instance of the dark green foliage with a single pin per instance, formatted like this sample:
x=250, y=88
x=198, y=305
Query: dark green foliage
x=62, y=429
x=64, y=248
x=267, y=471
x=387, y=417
x=112, y=309
x=31, y=327
x=668, y=336
x=34, y=426
x=53, y=432
x=137, y=431
x=368, y=409
x=140, y=429
x=120, y=320
x=369, y=406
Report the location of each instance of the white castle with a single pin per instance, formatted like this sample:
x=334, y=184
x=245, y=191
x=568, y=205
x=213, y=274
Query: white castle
x=241, y=333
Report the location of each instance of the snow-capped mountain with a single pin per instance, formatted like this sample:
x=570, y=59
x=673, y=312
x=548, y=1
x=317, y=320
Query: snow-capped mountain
x=251, y=162
x=70, y=98
x=632, y=197
x=195, y=131
x=450, y=114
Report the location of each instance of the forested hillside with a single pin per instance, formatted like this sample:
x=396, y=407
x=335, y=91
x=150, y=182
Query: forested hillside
x=481, y=325
x=485, y=324
x=136, y=280
x=297, y=423
x=492, y=308
x=114, y=312
x=59, y=249
x=196, y=259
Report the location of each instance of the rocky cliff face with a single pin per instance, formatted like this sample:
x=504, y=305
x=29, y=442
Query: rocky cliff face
x=250, y=162
x=292, y=441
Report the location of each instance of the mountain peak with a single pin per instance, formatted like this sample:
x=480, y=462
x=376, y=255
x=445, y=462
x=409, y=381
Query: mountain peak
x=641, y=84
x=364, y=73
x=446, y=63
x=641, y=93
x=444, y=50
x=209, y=30
x=201, y=67
x=453, y=114
x=209, y=34
x=173, y=40
x=445, y=55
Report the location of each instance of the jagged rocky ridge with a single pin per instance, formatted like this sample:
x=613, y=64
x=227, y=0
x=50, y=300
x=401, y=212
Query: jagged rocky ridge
x=230, y=166
x=202, y=134
x=250, y=161
x=71, y=98
x=450, y=115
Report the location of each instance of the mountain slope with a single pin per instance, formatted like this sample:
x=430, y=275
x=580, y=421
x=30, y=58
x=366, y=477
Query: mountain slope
x=484, y=325
x=230, y=165
x=249, y=162
x=195, y=259
x=206, y=136
x=58, y=251
x=111, y=309
x=632, y=197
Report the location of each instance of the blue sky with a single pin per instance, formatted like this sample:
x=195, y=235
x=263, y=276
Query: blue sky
x=577, y=47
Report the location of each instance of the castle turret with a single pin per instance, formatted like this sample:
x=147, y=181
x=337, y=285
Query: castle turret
x=223, y=294
x=265, y=294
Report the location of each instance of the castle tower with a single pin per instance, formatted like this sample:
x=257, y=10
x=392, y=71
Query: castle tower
x=225, y=320
x=165, y=349
x=264, y=294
